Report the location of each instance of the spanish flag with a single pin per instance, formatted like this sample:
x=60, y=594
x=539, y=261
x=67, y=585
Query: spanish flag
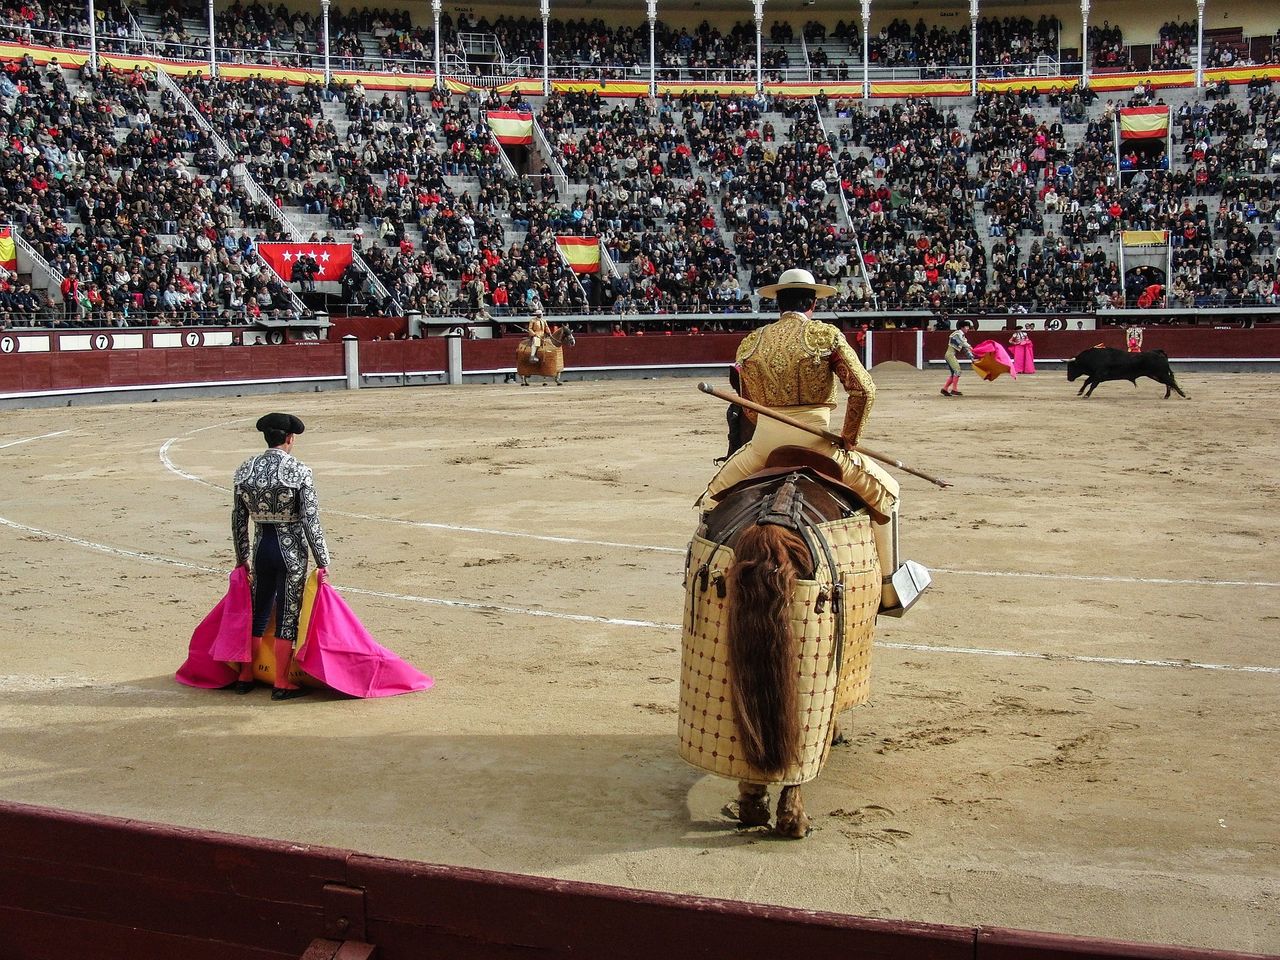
x=1144, y=123
x=511, y=127
x=581, y=253
x=8, y=251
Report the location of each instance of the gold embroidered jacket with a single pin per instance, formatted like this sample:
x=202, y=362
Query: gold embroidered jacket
x=796, y=361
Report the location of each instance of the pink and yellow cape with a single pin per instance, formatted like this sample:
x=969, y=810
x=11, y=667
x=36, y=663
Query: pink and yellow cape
x=337, y=651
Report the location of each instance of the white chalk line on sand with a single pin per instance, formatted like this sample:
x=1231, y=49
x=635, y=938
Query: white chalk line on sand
x=43, y=436
x=954, y=571
x=651, y=624
x=456, y=528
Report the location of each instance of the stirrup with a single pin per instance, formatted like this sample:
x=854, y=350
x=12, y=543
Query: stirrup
x=909, y=581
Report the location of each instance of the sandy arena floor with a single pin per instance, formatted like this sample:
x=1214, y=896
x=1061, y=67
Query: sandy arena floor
x=1077, y=730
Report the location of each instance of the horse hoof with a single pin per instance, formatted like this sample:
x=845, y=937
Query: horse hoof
x=749, y=811
x=793, y=828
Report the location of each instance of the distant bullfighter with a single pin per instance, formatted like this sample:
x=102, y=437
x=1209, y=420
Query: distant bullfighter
x=1100, y=364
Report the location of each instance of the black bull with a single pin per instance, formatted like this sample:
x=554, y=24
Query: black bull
x=1100, y=364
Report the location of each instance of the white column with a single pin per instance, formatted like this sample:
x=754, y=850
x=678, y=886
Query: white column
x=973, y=46
x=351, y=361
x=758, y=12
x=1084, y=43
x=652, y=7
x=324, y=14
x=1199, y=43
x=866, y=49
x=213, y=45
x=435, y=15
x=544, y=8
x=93, y=36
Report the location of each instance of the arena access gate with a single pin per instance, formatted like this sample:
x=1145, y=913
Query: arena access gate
x=78, y=885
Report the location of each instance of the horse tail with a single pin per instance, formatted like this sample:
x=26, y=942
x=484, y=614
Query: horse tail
x=767, y=560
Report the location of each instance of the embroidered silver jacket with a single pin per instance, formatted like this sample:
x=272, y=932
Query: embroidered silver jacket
x=275, y=487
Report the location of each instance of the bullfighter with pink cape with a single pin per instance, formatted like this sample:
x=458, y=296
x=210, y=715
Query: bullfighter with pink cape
x=337, y=651
x=255, y=629
x=1024, y=354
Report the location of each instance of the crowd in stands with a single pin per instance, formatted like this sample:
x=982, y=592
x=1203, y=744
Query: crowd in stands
x=1002, y=42
x=111, y=197
x=647, y=199
x=63, y=25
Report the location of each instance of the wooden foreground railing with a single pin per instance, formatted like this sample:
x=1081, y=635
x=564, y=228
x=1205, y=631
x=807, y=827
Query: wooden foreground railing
x=76, y=885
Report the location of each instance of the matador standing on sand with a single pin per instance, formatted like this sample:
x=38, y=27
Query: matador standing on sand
x=792, y=365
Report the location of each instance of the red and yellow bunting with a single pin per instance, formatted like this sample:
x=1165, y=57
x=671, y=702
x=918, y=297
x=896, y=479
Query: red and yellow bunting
x=843, y=89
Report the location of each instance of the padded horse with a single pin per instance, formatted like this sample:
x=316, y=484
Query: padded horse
x=550, y=356
x=782, y=588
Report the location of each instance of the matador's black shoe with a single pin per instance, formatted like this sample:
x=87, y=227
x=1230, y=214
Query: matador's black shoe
x=243, y=686
x=285, y=693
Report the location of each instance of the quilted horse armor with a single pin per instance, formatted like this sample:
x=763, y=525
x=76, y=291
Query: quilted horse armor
x=832, y=615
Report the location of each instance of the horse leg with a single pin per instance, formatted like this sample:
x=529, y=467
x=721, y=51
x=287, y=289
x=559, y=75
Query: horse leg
x=753, y=804
x=792, y=822
x=837, y=735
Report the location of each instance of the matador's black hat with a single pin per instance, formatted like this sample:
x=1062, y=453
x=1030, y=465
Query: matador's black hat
x=283, y=422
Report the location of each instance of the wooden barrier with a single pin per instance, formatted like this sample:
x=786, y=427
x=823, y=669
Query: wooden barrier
x=80, y=885
x=62, y=372
x=107, y=370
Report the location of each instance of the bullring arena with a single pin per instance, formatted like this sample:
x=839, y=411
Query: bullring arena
x=212, y=210
x=1072, y=732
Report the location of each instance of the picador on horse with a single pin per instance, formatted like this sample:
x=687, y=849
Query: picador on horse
x=795, y=556
x=541, y=352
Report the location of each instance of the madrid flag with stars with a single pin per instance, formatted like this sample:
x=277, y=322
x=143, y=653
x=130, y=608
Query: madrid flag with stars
x=331, y=258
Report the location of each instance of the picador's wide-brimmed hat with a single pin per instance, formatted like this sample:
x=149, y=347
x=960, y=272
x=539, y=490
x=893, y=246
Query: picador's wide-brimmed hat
x=283, y=422
x=796, y=279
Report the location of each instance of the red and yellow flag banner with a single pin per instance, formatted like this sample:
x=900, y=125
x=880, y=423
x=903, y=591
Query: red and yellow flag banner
x=8, y=250
x=511, y=127
x=1144, y=123
x=581, y=253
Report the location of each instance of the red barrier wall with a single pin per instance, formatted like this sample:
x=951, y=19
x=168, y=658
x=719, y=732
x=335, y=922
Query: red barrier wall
x=97, y=369
x=130, y=368
x=404, y=356
x=77, y=885
x=602, y=351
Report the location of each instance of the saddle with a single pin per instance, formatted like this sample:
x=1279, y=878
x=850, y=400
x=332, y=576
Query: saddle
x=822, y=494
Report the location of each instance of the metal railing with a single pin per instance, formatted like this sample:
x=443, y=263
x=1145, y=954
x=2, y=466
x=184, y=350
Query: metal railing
x=508, y=168
x=848, y=217
x=553, y=163
x=37, y=259
x=171, y=86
